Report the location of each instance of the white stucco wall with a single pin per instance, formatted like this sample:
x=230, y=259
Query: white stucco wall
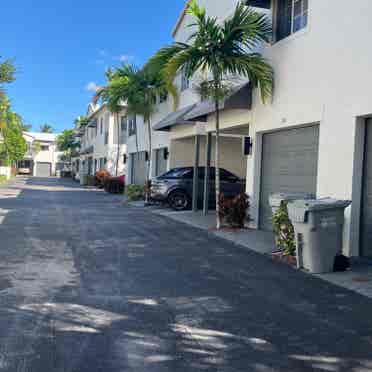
x=96, y=138
x=322, y=76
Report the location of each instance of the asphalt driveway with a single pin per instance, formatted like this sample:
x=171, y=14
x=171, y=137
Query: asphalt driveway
x=88, y=284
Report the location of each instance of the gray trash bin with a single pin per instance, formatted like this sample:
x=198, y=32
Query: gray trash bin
x=276, y=199
x=318, y=227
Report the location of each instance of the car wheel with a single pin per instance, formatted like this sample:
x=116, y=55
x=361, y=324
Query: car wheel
x=179, y=200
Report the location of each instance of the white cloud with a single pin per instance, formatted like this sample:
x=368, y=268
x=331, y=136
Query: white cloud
x=125, y=58
x=92, y=87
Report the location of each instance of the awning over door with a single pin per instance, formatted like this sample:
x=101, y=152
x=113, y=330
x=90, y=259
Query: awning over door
x=239, y=98
x=174, y=118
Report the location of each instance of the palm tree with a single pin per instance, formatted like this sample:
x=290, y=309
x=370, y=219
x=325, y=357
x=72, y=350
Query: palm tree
x=46, y=128
x=220, y=50
x=139, y=88
x=111, y=95
x=7, y=72
x=81, y=121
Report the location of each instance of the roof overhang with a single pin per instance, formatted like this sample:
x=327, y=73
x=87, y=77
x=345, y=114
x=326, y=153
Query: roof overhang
x=181, y=18
x=239, y=98
x=175, y=118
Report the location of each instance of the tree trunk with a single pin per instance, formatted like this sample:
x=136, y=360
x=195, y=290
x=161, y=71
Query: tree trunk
x=118, y=148
x=149, y=161
x=217, y=164
x=136, y=132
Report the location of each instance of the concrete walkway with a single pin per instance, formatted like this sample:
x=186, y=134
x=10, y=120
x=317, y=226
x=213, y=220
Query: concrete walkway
x=90, y=285
x=258, y=241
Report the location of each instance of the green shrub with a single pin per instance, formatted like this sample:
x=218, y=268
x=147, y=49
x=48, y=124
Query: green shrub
x=284, y=231
x=135, y=192
x=3, y=179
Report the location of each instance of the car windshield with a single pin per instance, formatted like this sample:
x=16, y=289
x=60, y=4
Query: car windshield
x=177, y=173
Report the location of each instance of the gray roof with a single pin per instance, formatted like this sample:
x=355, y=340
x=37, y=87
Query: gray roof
x=174, y=118
x=239, y=98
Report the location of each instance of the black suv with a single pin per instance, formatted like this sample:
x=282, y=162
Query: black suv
x=176, y=186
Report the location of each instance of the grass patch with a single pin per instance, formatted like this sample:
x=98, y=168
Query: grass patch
x=3, y=179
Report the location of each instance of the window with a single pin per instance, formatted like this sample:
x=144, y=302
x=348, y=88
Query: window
x=227, y=176
x=291, y=16
x=106, y=138
x=124, y=123
x=132, y=125
x=185, y=81
x=300, y=11
x=44, y=148
x=123, y=129
x=163, y=97
x=265, y=4
x=101, y=125
x=185, y=173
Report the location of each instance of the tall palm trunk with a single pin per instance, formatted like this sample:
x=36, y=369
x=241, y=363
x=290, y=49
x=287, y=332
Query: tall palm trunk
x=149, y=160
x=137, y=147
x=217, y=164
x=118, y=148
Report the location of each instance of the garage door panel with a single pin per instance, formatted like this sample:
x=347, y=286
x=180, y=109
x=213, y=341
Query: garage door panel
x=139, y=168
x=289, y=164
x=43, y=169
x=161, y=163
x=366, y=228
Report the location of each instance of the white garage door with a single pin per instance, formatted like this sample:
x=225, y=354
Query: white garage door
x=43, y=169
x=138, y=168
x=161, y=162
x=289, y=164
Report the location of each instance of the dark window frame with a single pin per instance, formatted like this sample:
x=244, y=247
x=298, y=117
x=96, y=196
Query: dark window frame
x=286, y=21
x=264, y=4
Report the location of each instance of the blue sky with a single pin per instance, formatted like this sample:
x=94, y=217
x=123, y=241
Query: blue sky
x=62, y=48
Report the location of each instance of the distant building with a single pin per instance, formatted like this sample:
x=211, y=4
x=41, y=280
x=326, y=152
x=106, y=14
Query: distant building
x=103, y=142
x=42, y=158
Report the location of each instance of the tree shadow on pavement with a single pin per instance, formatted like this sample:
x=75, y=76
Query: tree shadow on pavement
x=100, y=287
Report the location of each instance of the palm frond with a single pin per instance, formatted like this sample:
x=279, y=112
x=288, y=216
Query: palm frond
x=257, y=69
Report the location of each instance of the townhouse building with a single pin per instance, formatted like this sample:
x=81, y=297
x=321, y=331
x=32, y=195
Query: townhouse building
x=102, y=142
x=315, y=136
x=42, y=158
x=138, y=145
